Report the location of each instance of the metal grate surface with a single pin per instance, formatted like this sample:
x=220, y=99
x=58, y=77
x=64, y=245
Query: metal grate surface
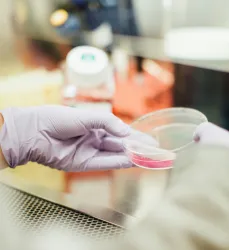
x=35, y=214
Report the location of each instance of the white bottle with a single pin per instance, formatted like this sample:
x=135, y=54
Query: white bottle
x=89, y=79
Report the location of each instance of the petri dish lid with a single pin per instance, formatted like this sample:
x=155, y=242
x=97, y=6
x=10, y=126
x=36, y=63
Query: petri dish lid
x=146, y=132
x=146, y=147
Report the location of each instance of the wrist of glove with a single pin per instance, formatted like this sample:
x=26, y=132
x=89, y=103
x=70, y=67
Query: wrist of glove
x=63, y=138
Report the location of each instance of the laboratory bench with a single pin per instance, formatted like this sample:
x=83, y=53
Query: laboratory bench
x=111, y=200
x=101, y=204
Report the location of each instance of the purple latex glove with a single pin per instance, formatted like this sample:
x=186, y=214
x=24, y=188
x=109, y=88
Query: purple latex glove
x=63, y=138
x=208, y=133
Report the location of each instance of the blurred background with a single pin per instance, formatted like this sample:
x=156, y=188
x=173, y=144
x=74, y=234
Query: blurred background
x=146, y=55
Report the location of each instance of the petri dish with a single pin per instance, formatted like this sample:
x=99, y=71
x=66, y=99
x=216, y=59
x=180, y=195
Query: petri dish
x=156, y=138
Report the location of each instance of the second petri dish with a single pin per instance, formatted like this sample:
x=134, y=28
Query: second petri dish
x=156, y=138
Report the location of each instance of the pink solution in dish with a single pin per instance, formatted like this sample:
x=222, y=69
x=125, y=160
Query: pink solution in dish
x=149, y=163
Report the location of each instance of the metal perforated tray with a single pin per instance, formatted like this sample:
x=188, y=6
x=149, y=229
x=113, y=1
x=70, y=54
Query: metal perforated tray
x=32, y=214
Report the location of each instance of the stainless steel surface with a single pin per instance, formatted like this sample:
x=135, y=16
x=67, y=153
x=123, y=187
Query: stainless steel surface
x=68, y=201
x=37, y=215
x=131, y=192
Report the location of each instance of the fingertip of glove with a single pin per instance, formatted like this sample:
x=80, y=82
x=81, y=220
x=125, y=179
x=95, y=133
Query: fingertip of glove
x=199, y=130
x=127, y=164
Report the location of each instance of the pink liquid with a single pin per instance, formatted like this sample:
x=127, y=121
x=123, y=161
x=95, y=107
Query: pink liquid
x=170, y=137
x=149, y=163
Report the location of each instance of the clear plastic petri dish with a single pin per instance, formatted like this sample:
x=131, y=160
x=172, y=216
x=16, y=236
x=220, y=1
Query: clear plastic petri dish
x=157, y=138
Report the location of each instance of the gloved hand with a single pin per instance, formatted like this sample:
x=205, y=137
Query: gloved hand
x=63, y=138
x=210, y=134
